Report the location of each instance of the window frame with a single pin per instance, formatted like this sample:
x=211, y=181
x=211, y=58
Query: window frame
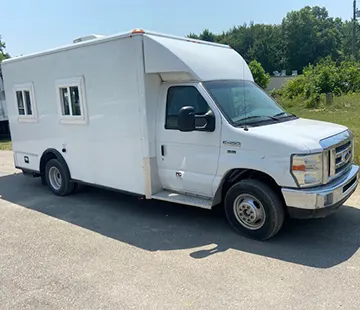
x=68, y=83
x=166, y=104
x=29, y=87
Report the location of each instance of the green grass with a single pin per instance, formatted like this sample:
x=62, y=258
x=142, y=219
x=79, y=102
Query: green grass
x=344, y=110
x=5, y=145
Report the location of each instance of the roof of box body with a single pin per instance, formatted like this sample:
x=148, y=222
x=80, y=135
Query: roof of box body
x=166, y=54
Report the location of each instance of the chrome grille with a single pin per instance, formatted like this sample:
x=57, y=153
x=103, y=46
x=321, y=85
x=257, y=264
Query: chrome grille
x=343, y=156
x=339, y=155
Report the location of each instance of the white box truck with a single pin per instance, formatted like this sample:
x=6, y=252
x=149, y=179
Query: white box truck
x=173, y=119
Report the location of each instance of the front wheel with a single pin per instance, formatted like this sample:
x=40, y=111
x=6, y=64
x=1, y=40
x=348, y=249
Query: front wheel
x=253, y=209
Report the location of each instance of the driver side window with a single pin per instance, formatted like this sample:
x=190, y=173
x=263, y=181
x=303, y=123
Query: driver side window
x=181, y=96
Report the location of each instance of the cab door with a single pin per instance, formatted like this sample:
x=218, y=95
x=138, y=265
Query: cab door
x=187, y=161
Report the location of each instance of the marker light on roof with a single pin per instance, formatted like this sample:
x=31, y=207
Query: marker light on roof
x=137, y=31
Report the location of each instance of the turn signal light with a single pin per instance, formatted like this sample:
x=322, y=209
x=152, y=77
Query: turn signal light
x=299, y=168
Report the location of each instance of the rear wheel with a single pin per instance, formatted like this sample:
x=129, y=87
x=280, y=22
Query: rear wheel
x=58, y=178
x=253, y=209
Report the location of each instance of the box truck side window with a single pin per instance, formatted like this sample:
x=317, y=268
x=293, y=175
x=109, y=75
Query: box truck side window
x=71, y=100
x=24, y=96
x=24, y=102
x=181, y=96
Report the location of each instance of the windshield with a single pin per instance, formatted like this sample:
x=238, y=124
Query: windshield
x=244, y=102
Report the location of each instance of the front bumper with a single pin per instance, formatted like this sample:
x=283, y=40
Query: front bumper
x=322, y=200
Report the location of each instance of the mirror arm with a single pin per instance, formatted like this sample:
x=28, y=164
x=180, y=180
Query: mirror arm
x=207, y=116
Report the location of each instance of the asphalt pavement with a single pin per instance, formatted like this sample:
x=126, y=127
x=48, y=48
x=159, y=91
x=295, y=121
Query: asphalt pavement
x=104, y=250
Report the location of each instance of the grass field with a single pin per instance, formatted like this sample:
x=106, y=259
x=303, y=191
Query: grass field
x=344, y=110
x=5, y=145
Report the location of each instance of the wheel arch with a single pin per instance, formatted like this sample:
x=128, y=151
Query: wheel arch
x=52, y=154
x=235, y=175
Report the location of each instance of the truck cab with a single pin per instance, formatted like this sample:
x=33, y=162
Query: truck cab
x=229, y=141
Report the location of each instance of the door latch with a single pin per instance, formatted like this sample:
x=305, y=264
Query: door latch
x=179, y=174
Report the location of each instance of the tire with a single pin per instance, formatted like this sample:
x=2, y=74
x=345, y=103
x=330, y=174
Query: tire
x=254, y=210
x=58, y=178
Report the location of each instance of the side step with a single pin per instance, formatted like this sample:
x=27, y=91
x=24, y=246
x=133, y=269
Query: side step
x=183, y=199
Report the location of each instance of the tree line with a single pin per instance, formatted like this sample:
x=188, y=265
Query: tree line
x=304, y=37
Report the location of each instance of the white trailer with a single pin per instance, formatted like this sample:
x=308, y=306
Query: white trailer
x=173, y=119
x=3, y=112
x=4, y=123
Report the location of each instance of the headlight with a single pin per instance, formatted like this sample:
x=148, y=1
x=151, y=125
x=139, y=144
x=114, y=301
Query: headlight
x=307, y=169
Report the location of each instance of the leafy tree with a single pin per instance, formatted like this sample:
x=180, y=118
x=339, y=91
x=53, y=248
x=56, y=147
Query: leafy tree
x=206, y=35
x=267, y=47
x=304, y=37
x=346, y=30
x=261, y=78
x=309, y=35
x=258, y=42
x=349, y=76
x=254, y=41
x=3, y=55
x=327, y=76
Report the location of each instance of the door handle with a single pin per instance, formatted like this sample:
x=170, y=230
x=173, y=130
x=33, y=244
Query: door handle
x=163, y=150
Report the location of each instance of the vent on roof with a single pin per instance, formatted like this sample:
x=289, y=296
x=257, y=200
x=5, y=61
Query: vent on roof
x=87, y=38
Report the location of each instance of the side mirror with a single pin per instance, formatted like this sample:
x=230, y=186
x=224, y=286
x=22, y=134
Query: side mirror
x=186, y=119
x=210, y=121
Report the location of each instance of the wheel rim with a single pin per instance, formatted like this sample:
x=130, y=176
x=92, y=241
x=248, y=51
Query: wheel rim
x=55, y=178
x=249, y=211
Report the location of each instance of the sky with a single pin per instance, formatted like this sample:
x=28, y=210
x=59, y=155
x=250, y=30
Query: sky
x=29, y=26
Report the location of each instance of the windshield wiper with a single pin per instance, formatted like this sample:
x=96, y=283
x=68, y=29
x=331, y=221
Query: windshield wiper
x=257, y=116
x=241, y=121
x=284, y=113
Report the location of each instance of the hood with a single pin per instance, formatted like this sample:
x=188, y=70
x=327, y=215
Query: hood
x=300, y=131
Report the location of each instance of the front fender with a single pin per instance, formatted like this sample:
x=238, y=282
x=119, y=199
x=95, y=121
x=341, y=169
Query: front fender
x=276, y=166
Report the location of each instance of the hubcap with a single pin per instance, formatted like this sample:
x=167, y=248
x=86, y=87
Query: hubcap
x=55, y=178
x=249, y=211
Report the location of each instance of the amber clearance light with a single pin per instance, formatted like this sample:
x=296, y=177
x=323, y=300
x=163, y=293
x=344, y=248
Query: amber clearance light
x=136, y=31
